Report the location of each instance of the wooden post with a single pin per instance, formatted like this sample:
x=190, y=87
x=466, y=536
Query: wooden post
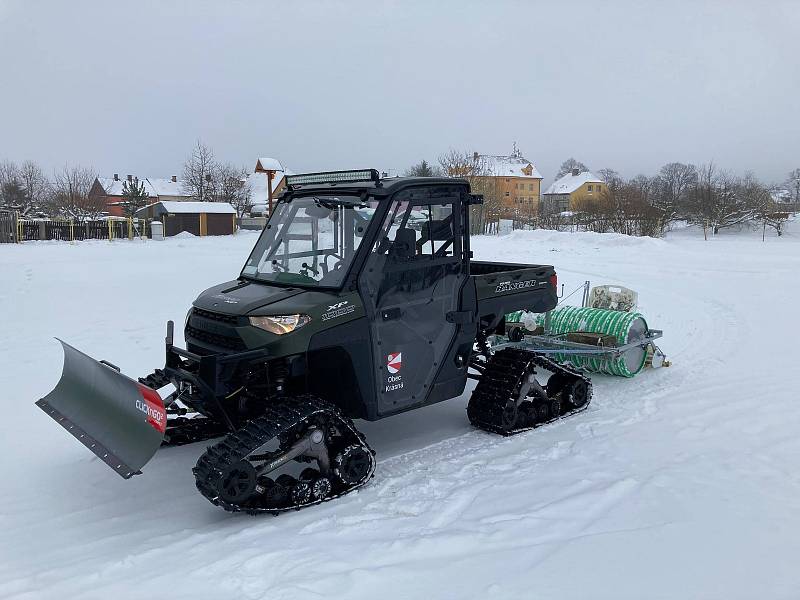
x=130, y=228
x=270, y=175
x=71, y=230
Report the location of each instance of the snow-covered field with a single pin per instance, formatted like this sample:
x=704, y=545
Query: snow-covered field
x=681, y=483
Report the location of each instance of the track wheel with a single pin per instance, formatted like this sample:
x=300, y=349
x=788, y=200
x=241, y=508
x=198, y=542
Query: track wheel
x=301, y=493
x=577, y=393
x=556, y=384
x=554, y=406
x=526, y=415
x=275, y=494
x=509, y=417
x=542, y=411
x=238, y=482
x=352, y=464
x=321, y=486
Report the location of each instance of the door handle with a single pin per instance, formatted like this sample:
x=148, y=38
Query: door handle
x=390, y=314
x=459, y=317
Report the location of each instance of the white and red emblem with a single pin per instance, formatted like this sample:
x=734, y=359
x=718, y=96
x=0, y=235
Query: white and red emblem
x=394, y=362
x=152, y=405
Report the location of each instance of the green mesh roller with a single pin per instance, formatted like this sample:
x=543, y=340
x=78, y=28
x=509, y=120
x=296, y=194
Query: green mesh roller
x=625, y=327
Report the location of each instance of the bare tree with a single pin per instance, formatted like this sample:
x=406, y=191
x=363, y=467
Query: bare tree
x=773, y=216
x=8, y=171
x=622, y=208
x=793, y=185
x=610, y=176
x=12, y=193
x=569, y=165
x=36, y=186
x=70, y=194
x=644, y=185
x=722, y=200
x=201, y=174
x=234, y=189
x=673, y=187
x=483, y=218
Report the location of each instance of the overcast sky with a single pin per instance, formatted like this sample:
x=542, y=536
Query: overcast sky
x=128, y=87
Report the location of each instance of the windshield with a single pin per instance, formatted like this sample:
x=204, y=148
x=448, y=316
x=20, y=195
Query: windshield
x=310, y=241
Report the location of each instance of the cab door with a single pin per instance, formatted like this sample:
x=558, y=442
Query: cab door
x=411, y=285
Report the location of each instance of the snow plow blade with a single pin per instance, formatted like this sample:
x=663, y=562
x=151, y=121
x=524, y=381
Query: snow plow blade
x=117, y=418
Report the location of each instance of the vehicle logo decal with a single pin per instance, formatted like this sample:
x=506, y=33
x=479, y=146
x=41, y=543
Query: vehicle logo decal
x=152, y=405
x=394, y=362
x=226, y=299
x=339, y=309
x=507, y=286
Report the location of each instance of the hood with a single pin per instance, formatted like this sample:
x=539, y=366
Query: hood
x=242, y=297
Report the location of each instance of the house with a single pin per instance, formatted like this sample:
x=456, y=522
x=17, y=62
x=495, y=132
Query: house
x=197, y=218
x=567, y=192
x=266, y=182
x=781, y=196
x=515, y=179
x=170, y=189
x=109, y=190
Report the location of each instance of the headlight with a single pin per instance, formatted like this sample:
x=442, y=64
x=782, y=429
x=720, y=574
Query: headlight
x=280, y=324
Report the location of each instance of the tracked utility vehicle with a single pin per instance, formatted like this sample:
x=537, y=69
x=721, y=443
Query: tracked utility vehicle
x=360, y=300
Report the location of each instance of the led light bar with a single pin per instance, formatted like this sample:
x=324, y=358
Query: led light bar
x=333, y=177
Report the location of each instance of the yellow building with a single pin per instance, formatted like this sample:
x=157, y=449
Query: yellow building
x=567, y=192
x=516, y=180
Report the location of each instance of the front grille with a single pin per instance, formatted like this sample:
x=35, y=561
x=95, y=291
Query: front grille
x=214, y=339
x=213, y=329
x=215, y=316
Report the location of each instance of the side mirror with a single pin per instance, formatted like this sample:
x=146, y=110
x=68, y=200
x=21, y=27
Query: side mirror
x=318, y=212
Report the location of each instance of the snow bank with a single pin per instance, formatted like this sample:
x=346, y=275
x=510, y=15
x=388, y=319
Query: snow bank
x=680, y=483
x=582, y=238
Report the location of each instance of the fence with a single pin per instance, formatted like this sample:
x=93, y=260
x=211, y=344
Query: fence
x=22, y=230
x=8, y=227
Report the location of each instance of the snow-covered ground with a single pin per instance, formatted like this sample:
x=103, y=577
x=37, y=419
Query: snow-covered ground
x=681, y=483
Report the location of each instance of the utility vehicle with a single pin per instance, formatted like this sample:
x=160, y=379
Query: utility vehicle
x=360, y=300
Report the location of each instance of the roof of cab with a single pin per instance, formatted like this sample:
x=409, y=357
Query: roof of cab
x=384, y=187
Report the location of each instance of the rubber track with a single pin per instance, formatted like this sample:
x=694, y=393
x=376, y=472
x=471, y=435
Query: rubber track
x=500, y=383
x=277, y=420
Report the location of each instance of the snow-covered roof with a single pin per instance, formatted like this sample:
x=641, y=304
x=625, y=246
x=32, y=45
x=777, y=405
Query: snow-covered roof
x=174, y=206
x=153, y=187
x=569, y=182
x=167, y=187
x=509, y=166
x=268, y=164
x=113, y=187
